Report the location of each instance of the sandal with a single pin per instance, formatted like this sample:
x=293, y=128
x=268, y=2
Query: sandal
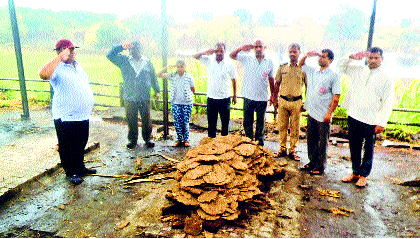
x=306, y=167
x=361, y=183
x=280, y=154
x=294, y=156
x=316, y=171
x=177, y=144
x=350, y=178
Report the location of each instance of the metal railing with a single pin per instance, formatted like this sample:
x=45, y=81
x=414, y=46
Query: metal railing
x=121, y=101
x=99, y=93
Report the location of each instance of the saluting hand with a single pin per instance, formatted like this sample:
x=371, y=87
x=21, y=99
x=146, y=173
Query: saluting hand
x=127, y=45
x=312, y=53
x=64, y=55
x=210, y=52
x=359, y=55
x=247, y=47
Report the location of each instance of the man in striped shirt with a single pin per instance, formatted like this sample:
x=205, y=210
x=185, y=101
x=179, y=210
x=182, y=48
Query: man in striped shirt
x=322, y=96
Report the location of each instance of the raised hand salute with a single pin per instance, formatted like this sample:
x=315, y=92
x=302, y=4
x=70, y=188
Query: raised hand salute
x=359, y=55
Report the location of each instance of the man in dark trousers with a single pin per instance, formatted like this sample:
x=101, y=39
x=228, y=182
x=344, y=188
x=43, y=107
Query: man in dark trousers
x=71, y=107
x=257, y=80
x=220, y=73
x=139, y=76
x=322, y=96
x=369, y=103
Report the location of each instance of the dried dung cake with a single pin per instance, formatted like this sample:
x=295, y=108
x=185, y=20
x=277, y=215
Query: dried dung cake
x=220, y=174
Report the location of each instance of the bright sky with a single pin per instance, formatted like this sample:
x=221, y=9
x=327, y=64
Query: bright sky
x=182, y=10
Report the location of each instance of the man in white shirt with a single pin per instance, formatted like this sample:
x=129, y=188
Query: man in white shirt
x=369, y=105
x=220, y=73
x=71, y=107
x=258, y=76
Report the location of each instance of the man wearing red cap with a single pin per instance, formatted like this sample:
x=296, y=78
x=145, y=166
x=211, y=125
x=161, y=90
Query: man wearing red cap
x=71, y=107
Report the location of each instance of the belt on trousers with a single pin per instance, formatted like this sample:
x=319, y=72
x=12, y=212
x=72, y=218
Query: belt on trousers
x=291, y=98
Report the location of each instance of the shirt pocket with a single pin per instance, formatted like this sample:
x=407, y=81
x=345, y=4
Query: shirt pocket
x=324, y=88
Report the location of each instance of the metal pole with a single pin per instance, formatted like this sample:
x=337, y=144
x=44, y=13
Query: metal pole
x=372, y=25
x=164, y=63
x=18, y=53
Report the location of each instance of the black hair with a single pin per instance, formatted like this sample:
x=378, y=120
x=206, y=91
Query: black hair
x=376, y=50
x=180, y=62
x=294, y=45
x=330, y=54
x=223, y=45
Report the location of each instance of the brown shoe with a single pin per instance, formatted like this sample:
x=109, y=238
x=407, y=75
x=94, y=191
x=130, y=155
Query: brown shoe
x=350, y=178
x=361, y=182
x=294, y=156
x=186, y=144
x=177, y=144
x=280, y=154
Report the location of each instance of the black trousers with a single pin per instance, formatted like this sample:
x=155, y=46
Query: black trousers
x=361, y=135
x=217, y=107
x=251, y=106
x=318, y=134
x=132, y=112
x=72, y=139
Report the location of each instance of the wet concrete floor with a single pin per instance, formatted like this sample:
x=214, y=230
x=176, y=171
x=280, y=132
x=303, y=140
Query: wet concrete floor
x=104, y=207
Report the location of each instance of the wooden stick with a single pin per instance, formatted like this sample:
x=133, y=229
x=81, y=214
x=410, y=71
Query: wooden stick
x=112, y=191
x=161, y=155
x=109, y=176
x=141, y=180
x=102, y=161
x=168, y=158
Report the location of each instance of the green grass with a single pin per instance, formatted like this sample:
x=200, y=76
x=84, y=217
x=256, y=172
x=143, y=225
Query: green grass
x=101, y=70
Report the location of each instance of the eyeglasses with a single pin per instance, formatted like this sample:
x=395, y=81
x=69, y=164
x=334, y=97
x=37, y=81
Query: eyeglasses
x=258, y=47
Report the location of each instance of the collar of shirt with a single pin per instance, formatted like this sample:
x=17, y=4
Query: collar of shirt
x=218, y=63
x=326, y=70
x=263, y=59
x=138, y=65
x=222, y=62
x=75, y=64
x=175, y=75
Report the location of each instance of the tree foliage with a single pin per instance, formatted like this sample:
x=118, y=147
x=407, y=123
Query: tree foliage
x=346, y=31
x=244, y=15
x=267, y=19
x=347, y=28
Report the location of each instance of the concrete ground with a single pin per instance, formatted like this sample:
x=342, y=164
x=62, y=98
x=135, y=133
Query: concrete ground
x=37, y=201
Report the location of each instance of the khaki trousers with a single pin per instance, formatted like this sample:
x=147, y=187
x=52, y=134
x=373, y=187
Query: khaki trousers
x=289, y=115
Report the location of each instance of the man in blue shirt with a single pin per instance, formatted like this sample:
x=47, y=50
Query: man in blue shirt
x=139, y=76
x=322, y=96
x=71, y=107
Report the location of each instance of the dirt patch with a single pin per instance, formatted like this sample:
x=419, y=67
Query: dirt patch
x=107, y=207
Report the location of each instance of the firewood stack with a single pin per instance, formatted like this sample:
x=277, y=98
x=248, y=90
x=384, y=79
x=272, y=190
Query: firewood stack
x=219, y=174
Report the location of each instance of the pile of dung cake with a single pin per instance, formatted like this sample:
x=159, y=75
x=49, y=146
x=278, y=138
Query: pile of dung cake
x=219, y=174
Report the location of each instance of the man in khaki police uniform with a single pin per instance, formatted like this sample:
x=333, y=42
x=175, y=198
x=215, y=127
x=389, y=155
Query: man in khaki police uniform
x=288, y=95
